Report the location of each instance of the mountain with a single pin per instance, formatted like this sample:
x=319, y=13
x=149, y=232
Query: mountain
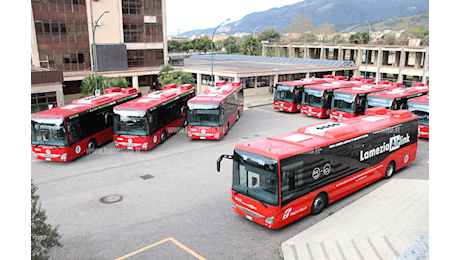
x=320, y=11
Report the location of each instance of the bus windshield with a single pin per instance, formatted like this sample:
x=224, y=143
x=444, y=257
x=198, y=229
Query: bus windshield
x=48, y=131
x=422, y=110
x=203, y=114
x=313, y=97
x=130, y=122
x=284, y=93
x=255, y=176
x=344, y=102
x=379, y=102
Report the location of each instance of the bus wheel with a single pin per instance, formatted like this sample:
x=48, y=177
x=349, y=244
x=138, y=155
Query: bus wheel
x=226, y=129
x=163, y=137
x=390, y=170
x=91, y=146
x=319, y=204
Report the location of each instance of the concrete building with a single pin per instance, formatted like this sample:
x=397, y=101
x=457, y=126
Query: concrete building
x=130, y=40
x=46, y=88
x=407, y=64
x=257, y=71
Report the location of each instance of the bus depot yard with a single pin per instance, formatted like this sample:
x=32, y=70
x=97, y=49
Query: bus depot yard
x=171, y=203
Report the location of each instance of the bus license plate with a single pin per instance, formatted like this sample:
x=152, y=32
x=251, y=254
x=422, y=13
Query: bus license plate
x=249, y=217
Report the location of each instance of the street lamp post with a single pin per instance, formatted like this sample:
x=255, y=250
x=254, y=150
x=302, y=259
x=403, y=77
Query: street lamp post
x=96, y=92
x=367, y=52
x=212, y=62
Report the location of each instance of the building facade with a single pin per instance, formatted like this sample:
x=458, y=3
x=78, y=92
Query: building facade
x=130, y=40
x=407, y=64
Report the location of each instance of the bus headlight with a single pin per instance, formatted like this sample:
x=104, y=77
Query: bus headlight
x=270, y=220
x=115, y=143
x=144, y=145
x=189, y=134
x=217, y=135
x=64, y=157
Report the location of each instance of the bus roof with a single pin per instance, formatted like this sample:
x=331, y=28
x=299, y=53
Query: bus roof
x=153, y=99
x=334, y=85
x=219, y=93
x=303, y=82
x=365, y=89
x=87, y=103
x=401, y=92
x=307, y=139
x=421, y=99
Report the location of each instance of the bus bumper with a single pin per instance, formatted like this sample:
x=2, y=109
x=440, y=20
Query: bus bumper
x=205, y=133
x=315, y=112
x=51, y=154
x=133, y=142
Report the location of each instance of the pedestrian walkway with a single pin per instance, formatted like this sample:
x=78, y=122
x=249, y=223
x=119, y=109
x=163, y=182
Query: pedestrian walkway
x=380, y=225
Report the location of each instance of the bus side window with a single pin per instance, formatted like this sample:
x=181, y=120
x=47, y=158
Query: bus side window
x=74, y=131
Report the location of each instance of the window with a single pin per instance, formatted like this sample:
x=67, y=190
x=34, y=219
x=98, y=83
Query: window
x=38, y=28
x=132, y=7
x=41, y=101
x=74, y=130
x=144, y=58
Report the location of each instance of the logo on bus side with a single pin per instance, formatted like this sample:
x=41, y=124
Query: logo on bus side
x=394, y=143
x=78, y=149
x=288, y=212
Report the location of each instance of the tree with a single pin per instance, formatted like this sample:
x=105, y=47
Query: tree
x=359, y=38
x=231, y=44
x=118, y=82
x=168, y=75
x=325, y=29
x=250, y=44
x=43, y=236
x=88, y=84
x=271, y=35
x=389, y=39
x=185, y=47
x=203, y=44
x=300, y=24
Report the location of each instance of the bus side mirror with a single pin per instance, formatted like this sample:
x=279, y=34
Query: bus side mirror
x=220, y=159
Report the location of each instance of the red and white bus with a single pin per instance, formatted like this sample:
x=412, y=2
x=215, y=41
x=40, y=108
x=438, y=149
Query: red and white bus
x=396, y=98
x=317, y=99
x=351, y=102
x=143, y=123
x=280, y=179
x=288, y=94
x=214, y=111
x=66, y=132
x=421, y=107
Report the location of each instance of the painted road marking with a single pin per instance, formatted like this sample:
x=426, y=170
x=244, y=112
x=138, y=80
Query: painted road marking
x=158, y=243
x=273, y=112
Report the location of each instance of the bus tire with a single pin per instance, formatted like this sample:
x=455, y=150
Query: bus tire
x=390, y=170
x=163, y=137
x=319, y=204
x=226, y=129
x=91, y=146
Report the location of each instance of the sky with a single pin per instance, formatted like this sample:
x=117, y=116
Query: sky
x=187, y=15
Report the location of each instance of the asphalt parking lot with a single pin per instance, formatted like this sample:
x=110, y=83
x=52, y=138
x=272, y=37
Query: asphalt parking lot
x=170, y=202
